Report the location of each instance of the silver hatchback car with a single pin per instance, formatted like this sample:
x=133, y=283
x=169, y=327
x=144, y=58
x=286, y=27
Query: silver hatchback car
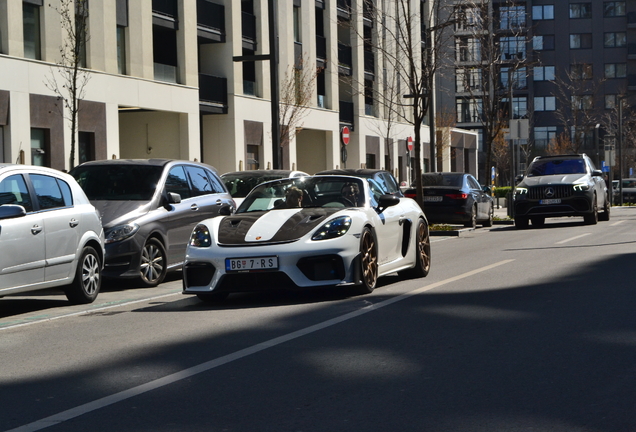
x=50, y=234
x=149, y=208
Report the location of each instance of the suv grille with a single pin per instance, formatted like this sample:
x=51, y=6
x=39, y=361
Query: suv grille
x=550, y=191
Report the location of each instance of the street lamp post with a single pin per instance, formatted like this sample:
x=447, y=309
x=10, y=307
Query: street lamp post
x=620, y=149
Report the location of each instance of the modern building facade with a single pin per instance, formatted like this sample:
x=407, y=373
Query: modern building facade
x=166, y=81
x=566, y=64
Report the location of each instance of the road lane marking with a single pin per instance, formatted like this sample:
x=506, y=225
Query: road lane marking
x=204, y=367
x=573, y=238
x=618, y=222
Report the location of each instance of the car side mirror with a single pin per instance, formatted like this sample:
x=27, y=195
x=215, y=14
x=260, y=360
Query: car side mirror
x=171, y=198
x=225, y=210
x=597, y=173
x=388, y=201
x=11, y=211
x=519, y=178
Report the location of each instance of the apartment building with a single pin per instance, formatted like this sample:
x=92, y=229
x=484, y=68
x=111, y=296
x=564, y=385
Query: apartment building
x=565, y=63
x=164, y=82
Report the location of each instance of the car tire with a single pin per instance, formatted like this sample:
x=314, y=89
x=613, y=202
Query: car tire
x=153, y=265
x=472, y=223
x=491, y=214
x=592, y=218
x=213, y=297
x=368, y=262
x=521, y=222
x=88, y=278
x=422, y=252
x=605, y=216
x=538, y=221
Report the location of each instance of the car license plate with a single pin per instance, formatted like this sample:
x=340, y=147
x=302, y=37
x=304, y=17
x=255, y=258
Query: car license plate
x=432, y=198
x=550, y=201
x=251, y=264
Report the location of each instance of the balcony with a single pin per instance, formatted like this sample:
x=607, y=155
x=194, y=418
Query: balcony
x=343, y=8
x=367, y=14
x=248, y=31
x=210, y=22
x=212, y=94
x=165, y=73
x=165, y=13
x=346, y=114
x=345, y=62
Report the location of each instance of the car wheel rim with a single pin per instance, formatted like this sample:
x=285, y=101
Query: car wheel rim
x=424, y=247
x=90, y=274
x=151, y=263
x=369, y=260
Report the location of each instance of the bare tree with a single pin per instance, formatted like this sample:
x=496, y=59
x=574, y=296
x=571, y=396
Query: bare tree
x=69, y=79
x=501, y=158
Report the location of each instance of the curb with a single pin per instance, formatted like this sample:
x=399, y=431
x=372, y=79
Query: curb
x=450, y=233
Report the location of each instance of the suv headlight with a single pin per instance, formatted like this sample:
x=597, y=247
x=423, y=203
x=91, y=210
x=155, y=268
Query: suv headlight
x=334, y=228
x=521, y=191
x=121, y=232
x=579, y=187
x=200, y=236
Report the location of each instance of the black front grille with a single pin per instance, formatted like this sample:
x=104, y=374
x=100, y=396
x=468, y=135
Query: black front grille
x=322, y=268
x=550, y=192
x=257, y=281
x=198, y=274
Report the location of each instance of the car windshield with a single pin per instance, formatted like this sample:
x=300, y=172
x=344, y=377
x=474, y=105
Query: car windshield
x=557, y=166
x=240, y=185
x=332, y=191
x=118, y=182
x=441, y=179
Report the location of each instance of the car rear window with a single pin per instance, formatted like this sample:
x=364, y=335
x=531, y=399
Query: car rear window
x=118, y=182
x=451, y=180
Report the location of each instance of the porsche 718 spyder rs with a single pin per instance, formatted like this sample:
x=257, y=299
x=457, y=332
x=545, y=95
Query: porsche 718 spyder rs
x=308, y=232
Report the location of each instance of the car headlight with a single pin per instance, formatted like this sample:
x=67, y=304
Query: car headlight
x=200, y=236
x=121, y=232
x=581, y=187
x=521, y=191
x=334, y=228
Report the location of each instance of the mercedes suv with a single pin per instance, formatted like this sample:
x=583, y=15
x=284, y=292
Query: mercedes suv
x=564, y=185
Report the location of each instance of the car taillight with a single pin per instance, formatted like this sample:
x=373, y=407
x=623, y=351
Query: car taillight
x=458, y=196
x=410, y=195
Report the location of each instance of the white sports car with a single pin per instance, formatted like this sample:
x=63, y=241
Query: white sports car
x=308, y=232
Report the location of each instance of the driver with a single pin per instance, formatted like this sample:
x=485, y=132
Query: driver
x=350, y=192
x=293, y=197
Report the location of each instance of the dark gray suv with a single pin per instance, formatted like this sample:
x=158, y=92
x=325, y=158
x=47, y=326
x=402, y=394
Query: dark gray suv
x=564, y=185
x=149, y=208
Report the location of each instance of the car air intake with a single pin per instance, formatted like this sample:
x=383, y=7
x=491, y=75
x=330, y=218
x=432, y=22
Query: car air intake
x=322, y=268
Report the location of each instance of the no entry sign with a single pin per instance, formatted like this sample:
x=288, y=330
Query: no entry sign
x=345, y=135
x=409, y=143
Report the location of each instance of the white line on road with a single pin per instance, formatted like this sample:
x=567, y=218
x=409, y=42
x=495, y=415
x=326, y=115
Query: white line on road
x=573, y=238
x=203, y=367
x=618, y=222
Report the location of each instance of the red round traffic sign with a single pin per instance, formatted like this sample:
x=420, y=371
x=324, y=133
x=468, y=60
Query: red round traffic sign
x=409, y=143
x=345, y=135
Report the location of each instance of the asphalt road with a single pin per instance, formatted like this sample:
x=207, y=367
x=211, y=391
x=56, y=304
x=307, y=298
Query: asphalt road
x=512, y=330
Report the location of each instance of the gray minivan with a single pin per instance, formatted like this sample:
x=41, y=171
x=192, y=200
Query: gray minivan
x=149, y=208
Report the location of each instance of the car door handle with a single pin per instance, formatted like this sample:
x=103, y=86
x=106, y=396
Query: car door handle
x=194, y=207
x=73, y=223
x=219, y=201
x=36, y=229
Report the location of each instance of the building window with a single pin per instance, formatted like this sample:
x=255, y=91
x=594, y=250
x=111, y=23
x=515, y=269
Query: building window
x=581, y=71
x=468, y=80
x=581, y=10
x=581, y=41
x=468, y=49
x=519, y=106
x=614, y=8
x=615, y=40
x=121, y=50
x=253, y=158
x=1, y=144
x=468, y=18
x=370, y=161
x=543, y=42
x=544, y=73
x=610, y=101
x=582, y=102
x=86, y=146
x=518, y=77
x=368, y=98
x=249, y=75
x=31, y=29
x=543, y=12
x=543, y=135
x=297, y=24
x=512, y=17
x=544, y=103
x=468, y=110
x=513, y=48
x=615, y=70
x=39, y=147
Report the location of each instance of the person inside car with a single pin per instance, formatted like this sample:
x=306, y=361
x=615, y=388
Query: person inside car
x=350, y=193
x=293, y=197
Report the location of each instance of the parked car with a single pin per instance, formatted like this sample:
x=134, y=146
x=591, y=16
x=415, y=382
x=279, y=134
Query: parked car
x=454, y=197
x=240, y=183
x=149, y=208
x=50, y=235
x=382, y=177
x=308, y=232
x=629, y=191
x=564, y=185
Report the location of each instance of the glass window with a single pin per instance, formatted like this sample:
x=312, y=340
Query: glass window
x=121, y=50
x=614, y=8
x=543, y=42
x=47, y=191
x=581, y=71
x=610, y=101
x=39, y=156
x=543, y=135
x=543, y=12
x=66, y=192
x=512, y=17
x=13, y=190
x=613, y=40
x=513, y=47
x=545, y=103
x=177, y=182
x=31, y=31
x=544, y=73
x=200, y=182
x=581, y=41
x=581, y=10
x=615, y=70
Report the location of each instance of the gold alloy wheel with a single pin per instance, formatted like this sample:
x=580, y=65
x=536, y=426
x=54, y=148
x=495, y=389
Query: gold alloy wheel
x=424, y=248
x=369, y=260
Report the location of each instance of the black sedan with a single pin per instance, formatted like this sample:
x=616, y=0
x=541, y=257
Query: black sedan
x=451, y=197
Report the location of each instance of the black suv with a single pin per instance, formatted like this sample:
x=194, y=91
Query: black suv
x=564, y=185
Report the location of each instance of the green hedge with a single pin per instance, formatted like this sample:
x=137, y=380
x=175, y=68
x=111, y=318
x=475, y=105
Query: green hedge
x=501, y=191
